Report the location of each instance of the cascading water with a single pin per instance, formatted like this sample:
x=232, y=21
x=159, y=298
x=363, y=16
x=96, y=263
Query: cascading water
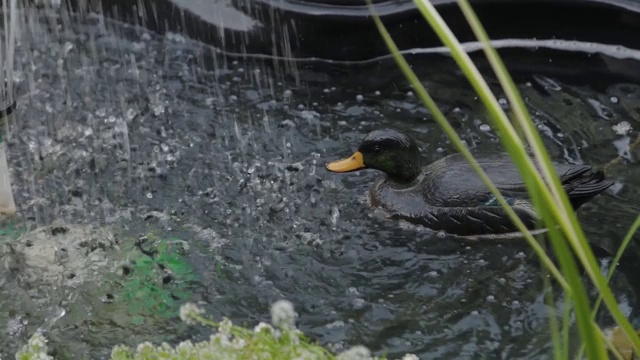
x=7, y=102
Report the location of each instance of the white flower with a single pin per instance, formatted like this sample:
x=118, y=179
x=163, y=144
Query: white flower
x=37, y=341
x=220, y=339
x=184, y=347
x=189, y=311
x=263, y=326
x=238, y=343
x=145, y=346
x=282, y=314
x=357, y=352
x=225, y=327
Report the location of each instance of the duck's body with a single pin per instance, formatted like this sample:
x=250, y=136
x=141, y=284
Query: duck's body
x=448, y=194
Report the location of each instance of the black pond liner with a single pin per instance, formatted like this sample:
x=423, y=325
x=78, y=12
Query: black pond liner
x=343, y=29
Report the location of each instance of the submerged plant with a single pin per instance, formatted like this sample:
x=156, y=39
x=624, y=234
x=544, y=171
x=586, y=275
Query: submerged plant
x=156, y=280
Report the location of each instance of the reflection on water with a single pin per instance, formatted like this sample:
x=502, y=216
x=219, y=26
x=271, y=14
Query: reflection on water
x=123, y=128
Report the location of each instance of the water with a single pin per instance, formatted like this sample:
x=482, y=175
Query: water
x=217, y=166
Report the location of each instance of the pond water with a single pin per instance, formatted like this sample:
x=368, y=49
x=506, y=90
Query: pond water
x=161, y=139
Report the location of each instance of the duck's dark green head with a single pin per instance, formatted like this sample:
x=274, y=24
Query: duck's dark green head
x=390, y=151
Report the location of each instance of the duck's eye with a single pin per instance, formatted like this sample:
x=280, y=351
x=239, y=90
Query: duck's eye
x=377, y=150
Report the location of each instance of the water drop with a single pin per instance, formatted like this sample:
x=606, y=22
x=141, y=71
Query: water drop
x=335, y=215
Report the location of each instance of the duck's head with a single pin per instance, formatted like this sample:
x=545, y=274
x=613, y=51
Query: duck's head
x=389, y=151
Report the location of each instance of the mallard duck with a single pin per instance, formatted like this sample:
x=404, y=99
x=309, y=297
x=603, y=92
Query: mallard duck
x=448, y=194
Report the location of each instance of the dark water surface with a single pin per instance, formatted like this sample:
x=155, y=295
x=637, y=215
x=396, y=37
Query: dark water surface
x=118, y=122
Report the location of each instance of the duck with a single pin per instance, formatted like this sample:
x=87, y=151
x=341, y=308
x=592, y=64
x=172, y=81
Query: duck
x=448, y=195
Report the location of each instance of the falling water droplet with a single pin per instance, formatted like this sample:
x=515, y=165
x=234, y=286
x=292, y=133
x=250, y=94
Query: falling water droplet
x=335, y=215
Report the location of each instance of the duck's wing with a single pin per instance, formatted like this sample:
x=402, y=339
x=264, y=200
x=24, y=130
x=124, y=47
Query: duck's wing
x=467, y=221
x=453, y=183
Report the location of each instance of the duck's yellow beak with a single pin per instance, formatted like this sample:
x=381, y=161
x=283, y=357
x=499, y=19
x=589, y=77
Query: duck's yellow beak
x=353, y=163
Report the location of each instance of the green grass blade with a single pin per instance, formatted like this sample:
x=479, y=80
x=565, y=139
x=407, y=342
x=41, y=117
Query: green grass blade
x=553, y=323
x=455, y=139
x=567, y=218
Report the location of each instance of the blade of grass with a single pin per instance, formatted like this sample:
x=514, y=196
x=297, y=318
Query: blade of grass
x=567, y=218
x=565, y=328
x=455, y=139
x=553, y=323
x=588, y=333
x=614, y=263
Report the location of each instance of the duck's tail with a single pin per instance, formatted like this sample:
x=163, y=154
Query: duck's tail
x=582, y=183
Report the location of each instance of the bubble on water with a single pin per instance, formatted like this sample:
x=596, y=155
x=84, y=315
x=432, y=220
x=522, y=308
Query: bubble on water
x=149, y=195
x=547, y=83
x=439, y=150
x=377, y=93
x=158, y=109
x=441, y=234
x=520, y=255
x=602, y=110
x=622, y=128
x=485, y=127
x=358, y=303
x=326, y=91
x=475, y=312
x=233, y=98
x=359, y=97
x=288, y=123
x=287, y=94
x=432, y=274
x=335, y=324
x=410, y=93
x=503, y=103
x=491, y=298
x=616, y=187
x=614, y=99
